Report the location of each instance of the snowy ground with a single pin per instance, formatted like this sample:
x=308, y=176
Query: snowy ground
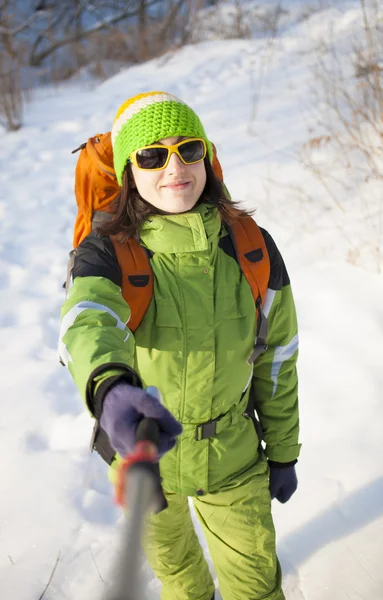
x=55, y=500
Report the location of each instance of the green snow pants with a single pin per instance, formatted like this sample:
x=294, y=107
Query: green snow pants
x=238, y=527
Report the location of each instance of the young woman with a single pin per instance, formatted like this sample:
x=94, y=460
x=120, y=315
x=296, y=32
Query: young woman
x=193, y=344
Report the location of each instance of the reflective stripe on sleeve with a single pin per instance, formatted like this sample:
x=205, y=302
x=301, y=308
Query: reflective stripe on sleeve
x=281, y=354
x=71, y=317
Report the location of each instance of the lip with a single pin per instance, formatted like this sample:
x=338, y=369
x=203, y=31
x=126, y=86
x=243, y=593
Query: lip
x=177, y=185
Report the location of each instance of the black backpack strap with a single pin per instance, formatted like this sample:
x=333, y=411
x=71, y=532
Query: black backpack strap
x=260, y=345
x=250, y=413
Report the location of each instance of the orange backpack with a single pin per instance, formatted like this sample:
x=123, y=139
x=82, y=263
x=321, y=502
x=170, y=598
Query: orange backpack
x=96, y=187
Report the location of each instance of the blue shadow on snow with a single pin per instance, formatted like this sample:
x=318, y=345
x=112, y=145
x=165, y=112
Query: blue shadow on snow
x=339, y=520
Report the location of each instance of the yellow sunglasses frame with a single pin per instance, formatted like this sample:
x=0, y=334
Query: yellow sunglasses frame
x=173, y=149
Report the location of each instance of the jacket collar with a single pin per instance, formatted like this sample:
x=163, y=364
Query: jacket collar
x=194, y=231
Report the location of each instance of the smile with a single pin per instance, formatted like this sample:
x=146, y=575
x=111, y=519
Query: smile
x=181, y=185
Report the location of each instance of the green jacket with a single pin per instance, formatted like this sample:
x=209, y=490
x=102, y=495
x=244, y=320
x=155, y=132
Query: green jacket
x=193, y=344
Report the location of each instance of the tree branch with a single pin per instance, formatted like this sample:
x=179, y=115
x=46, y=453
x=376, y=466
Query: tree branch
x=20, y=28
x=51, y=577
x=36, y=58
x=169, y=20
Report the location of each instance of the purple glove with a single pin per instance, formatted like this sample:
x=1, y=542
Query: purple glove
x=283, y=482
x=123, y=408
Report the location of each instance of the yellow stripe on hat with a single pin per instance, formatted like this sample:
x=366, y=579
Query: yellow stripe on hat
x=133, y=100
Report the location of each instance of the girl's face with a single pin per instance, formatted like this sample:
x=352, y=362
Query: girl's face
x=175, y=189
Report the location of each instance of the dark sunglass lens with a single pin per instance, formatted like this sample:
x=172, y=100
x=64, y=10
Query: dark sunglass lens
x=191, y=151
x=151, y=158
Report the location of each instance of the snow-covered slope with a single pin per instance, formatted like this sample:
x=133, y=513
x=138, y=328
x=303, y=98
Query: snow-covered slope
x=55, y=501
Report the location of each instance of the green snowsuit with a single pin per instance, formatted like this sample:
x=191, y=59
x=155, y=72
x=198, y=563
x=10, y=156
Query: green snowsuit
x=193, y=344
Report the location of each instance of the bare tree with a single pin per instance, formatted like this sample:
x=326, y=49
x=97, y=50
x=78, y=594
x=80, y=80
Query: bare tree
x=143, y=49
x=53, y=40
x=41, y=50
x=169, y=23
x=11, y=99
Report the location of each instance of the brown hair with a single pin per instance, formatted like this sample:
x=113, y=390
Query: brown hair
x=130, y=209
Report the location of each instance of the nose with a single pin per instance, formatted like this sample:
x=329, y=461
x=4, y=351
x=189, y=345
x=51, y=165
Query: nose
x=175, y=165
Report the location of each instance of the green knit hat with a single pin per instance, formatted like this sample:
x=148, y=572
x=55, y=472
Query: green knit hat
x=147, y=118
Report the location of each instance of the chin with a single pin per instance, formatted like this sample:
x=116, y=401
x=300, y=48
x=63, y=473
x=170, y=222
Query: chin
x=184, y=208
x=179, y=207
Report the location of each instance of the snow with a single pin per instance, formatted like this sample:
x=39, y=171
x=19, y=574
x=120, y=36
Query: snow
x=55, y=499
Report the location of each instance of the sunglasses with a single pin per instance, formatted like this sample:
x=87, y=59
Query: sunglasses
x=156, y=157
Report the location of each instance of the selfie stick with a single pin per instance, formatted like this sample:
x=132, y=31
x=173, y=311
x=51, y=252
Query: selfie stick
x=138, y=491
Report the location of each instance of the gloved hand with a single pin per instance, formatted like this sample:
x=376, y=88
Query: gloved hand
x=283, y=481
x=123, y=408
